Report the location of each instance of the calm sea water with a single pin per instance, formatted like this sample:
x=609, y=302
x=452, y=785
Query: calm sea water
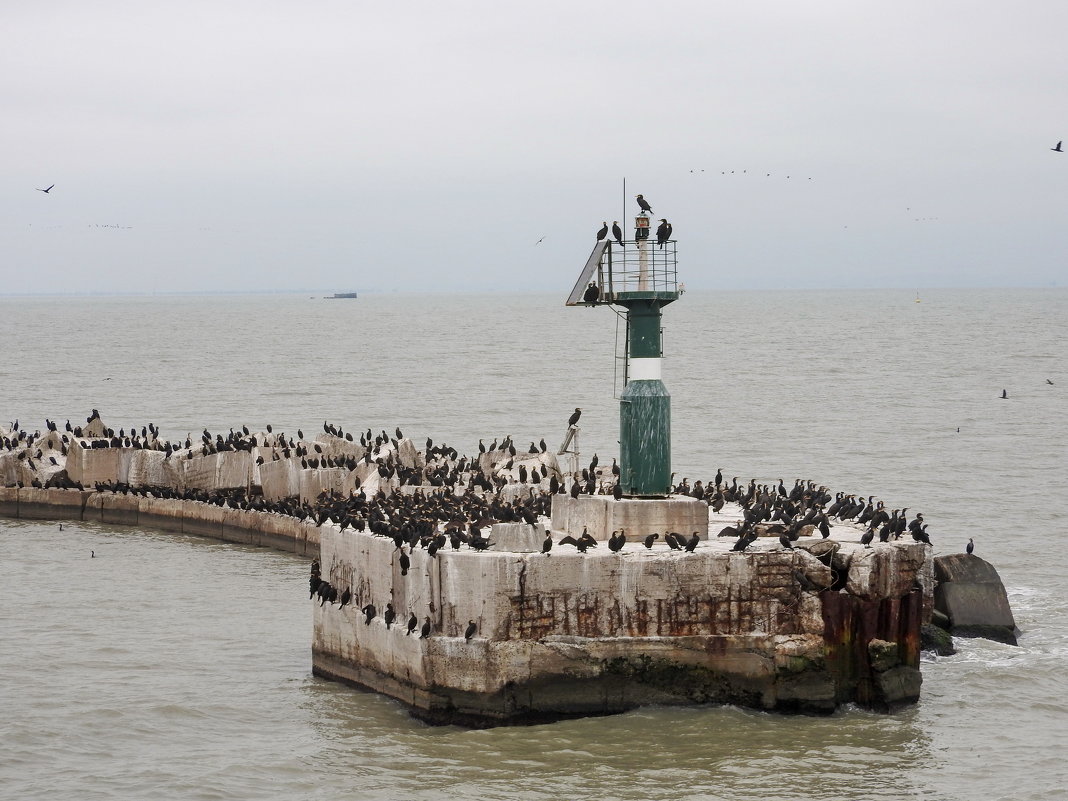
x=173, y=667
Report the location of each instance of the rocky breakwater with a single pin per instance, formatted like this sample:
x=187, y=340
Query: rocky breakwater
x=515, y=637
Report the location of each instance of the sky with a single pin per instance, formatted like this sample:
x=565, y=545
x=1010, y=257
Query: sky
x=422, y=146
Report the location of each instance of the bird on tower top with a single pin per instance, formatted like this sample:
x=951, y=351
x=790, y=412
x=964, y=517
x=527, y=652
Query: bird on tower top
x=574, y=417
x=643, y=204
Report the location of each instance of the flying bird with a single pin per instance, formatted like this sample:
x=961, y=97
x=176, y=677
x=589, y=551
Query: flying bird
x=539, y=241
x=1057, y=148
x=46, y=191
x=643, y=204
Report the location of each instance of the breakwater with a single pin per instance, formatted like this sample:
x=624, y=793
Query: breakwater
x=507, y=623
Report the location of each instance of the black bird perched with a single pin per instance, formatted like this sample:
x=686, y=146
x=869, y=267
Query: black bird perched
x=547, y=545
x=405, y=563
x=867, y=537
x=369, y=613
x=424, y=632
x=617, y=233
x=346, y=596
x=651, y=539
x=663, y=233
x=1057, y=148
x=472, y=629
x=603, y=232
x=413, y=621
x=46, y=191
x=970, y=547
x=617, y=541
x=1004, y=394
x=691, y=546
x=592, y=293
x=617, y=492
x=389, y=615
x=643, y=204
x=574, y=418
x=784, y=541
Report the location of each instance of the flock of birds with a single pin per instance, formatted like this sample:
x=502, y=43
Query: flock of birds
x=460, y=498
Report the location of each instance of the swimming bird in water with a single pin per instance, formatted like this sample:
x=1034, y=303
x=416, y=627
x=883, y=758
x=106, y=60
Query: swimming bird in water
x=617, y=233
x=1004, y=394
x=472, y=629
x=92, y=554
x=970, y=547
x=643, y=204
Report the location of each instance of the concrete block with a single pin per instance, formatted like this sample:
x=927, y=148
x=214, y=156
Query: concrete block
x=50, y=504
x=971, y=595
x=9, y=502
x=162, y=513
x=517, y=537
x=600, y=515
x=119, y=508
x=203, y=520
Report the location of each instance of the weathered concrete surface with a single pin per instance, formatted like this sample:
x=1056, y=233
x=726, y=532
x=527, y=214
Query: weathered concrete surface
x=600, y=515
x=970, y=594
x=265, y=529
x=568, y=633
x=517, y=537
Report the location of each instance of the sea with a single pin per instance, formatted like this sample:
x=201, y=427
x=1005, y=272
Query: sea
x=138, y=664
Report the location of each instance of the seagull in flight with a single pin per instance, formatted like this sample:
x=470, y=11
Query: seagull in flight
x=46, y=191
x=539, y=241
x=1058, y=147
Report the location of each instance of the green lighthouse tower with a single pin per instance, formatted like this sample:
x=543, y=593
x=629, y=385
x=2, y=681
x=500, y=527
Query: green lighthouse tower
x=640, y=276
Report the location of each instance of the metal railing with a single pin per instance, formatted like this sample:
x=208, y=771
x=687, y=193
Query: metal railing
x=637, y=268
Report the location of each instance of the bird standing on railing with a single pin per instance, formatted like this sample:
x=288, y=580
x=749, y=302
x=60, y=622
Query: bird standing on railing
x=617, y=232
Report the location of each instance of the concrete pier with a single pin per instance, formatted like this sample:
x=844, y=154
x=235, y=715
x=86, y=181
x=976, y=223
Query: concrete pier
x=806, y=628
x=575, y=634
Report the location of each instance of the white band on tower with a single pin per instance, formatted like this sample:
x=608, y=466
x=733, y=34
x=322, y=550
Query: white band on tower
x=644, y=369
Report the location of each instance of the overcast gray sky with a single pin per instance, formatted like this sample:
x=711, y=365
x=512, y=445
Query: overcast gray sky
x=267, y=145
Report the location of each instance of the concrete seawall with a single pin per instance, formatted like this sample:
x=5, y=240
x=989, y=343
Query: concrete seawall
x=247, y=527
x=576, y=634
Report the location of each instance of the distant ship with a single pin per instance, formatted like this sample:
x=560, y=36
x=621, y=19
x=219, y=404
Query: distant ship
x=337, y=295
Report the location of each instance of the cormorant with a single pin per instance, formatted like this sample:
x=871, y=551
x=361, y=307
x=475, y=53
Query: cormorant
x=970, y=547
x=617, y=233
x=389, y=615
x=346, y=596
x=46, y=191
x=617, y=492
x=424, y=632
x=592, y=293
x=691, y=546
x=602, y=233
x=1004, y=394
x=662, y=233
x=617, y=541
x=651, y=539
x=413, y=621
x=369, y=613
x=472, y=629
x=643, y=204
x=574, y=418
x=547, y=545
x=1057, y=148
